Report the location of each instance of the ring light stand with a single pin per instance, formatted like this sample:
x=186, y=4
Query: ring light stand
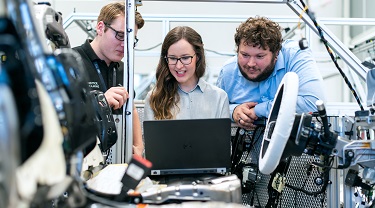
x=277, y=133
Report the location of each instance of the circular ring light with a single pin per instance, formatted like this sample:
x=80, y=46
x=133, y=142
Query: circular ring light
x=279, y=124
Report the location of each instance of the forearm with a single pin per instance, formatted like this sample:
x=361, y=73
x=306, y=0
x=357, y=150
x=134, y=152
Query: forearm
x=263, y=109
x=306, y=104
x=137, y=134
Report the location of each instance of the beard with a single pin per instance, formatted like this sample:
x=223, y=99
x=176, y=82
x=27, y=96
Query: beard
x=263, y=75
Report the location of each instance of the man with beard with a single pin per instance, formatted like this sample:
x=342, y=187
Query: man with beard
x=251, y=78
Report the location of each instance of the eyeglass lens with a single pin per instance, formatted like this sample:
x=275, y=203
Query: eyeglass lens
x=118, y=35
x=185, y=60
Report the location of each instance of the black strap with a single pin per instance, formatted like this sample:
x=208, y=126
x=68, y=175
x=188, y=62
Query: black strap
x=100, y=75
x=114, y=74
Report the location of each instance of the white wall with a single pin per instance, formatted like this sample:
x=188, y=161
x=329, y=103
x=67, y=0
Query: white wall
x=216, y=36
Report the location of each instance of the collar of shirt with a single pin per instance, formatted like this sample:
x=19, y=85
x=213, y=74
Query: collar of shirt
x=201, y=85
x=280, y=63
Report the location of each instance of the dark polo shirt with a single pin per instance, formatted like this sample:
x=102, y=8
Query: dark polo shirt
x=112, y=75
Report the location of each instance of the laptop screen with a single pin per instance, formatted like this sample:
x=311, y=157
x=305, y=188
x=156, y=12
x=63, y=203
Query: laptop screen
x=188, y=146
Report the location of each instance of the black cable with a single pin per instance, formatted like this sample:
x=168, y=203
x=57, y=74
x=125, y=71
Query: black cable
x=241, y=140
x=254, y=141
x=295, y=191
x=239, y=159
x=325, y=42
x=284, y=172
x=256, y=193
x=351, y=131
x=235, y=143
x=252, y=197
x=322, y=200
x=238, y=155
x=330, y=163
x=325, y=174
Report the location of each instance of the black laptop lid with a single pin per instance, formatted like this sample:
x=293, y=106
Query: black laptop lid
x=188, y=146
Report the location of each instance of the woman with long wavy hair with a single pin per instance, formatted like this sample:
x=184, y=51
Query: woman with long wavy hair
x=180, y=91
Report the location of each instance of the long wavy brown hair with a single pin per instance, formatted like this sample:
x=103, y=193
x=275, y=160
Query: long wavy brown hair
x=165, y=96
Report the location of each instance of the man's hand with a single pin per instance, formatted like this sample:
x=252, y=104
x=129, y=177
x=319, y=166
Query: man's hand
x=116, y=97
x=244, y=115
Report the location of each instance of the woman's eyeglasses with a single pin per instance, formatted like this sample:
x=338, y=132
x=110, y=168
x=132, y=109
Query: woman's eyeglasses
x=185, y=60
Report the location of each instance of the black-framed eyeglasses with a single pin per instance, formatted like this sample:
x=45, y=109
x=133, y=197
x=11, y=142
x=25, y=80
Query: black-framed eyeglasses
x=135, y=41
x=119, y=35
x=185, y=60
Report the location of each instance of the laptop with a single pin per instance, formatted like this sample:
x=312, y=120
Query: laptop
x=194, y=146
